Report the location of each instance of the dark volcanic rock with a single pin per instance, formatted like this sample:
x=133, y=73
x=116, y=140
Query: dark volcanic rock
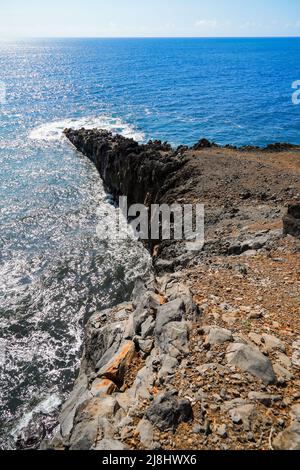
x=204, y=144
x=291, y=222
x=167, y=412
x=280, y=147
x=143, y=173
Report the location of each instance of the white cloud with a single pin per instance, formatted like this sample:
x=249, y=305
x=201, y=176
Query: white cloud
x=206, y=24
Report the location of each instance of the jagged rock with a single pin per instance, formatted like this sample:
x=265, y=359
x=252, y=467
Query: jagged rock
x=57, y=443
x=145, y=345
x=171, y=333
x=272, y=343
x=250, y=359
x=84, y=436
x=264, y=398
x=289, y=439
x=243, y=414
x=116, y=368
x=125, y=401
x=173, y=339
x=167, y=411
x=78, y=395
x=163, y=265
x=143, y=384
x=192, y=311
x=291, y=222
x=282, y=373
x=129, y=331
x=284, y=360
x=102, y=344
x=106, y=430
x=122, y=161
x=140, y=316
x=255, y=338
x=175, y=289
x=86, y=422
x=147, y=328
x=146, y=433
x=170, y=312
x=296, y=354
x=102, y=387
x=110, y=444
x=179, y=290
x=204, y=144
x=169, y=365
x=139, y=292
x=218, y=336
x=253, y=244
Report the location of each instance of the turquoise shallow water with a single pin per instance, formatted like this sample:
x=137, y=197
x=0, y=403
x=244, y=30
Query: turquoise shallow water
x=54, y=271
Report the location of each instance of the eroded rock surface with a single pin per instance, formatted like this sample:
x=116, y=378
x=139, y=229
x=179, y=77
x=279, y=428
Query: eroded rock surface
x=207, y=354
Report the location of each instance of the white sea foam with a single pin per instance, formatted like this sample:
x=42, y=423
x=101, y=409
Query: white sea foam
x=46, y=407
x=53, y=131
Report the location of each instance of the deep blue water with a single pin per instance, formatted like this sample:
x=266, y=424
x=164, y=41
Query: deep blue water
x=54, y=271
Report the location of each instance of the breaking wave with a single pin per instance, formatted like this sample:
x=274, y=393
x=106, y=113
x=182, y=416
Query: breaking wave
x=53, y=131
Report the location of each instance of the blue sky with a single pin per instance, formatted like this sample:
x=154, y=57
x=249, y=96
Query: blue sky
x=118, y=18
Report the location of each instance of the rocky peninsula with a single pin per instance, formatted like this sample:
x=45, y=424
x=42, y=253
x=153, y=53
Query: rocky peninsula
x=207, y=353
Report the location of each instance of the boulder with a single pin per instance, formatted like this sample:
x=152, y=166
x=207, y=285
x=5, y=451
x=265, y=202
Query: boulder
x=284, y=360
x=174, y=339
x=291, y=221
x=289, y=439
x=282, y=373
x=243, y=415
x=218, y=336
x=146, y=434
x=171, y=312
x=264, y=398
x=145, y=345
x=167, y=411
x=168, y=368
x=101, y=344
x=147, y=328
x=102, y=387
x=79, y=394
x=116, y=368
x=86, y=422
x=251, y=360
x=272, y=343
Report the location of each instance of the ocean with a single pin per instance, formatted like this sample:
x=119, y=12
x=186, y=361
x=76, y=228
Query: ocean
x=54, y=270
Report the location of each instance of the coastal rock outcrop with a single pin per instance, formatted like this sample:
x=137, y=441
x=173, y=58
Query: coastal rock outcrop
x=206, y=353
x=143, y=173
x=106, y=397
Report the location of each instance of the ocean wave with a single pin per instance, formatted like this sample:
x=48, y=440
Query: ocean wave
x=46, y=407
x=53, y=131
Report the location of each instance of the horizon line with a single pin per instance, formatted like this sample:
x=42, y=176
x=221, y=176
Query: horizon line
x=149, y=37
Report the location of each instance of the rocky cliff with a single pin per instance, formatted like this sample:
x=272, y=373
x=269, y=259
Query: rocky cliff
x=207, y=353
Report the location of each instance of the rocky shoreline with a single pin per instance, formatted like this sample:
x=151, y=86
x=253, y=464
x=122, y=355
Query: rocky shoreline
x=207, y=353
